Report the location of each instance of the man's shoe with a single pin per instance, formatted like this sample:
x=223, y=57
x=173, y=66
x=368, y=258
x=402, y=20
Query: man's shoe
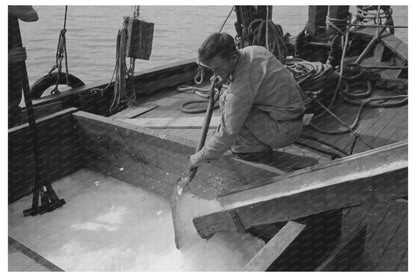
x=264, y=157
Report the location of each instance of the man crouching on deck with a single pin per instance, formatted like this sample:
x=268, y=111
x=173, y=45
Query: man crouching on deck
x=262, y=108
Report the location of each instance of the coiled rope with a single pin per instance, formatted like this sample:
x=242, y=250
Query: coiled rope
x=352, y=94
x=197, y=106
x=311, y=76
x=265, y=32
x=121, y=95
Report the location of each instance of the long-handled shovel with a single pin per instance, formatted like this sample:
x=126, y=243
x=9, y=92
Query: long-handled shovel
x=184, y=182
x=42, y=187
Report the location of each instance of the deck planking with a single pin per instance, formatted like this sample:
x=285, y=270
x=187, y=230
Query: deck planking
x=396, y=248
x=378, y=126
x=386, y=238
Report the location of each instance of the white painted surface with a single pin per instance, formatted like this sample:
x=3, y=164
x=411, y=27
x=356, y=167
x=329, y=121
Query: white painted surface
x=109, y=225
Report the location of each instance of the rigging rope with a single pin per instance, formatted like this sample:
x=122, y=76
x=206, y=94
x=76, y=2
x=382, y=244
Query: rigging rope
x=226, y=19
x=60, y=54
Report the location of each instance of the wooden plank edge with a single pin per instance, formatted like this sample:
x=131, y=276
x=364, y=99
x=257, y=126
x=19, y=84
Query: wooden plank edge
x=275, y=247
x=33, y=255
x=43, y=119
x=344, y=252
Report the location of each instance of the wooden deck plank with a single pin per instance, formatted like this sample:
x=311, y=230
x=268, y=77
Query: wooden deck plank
x=351, y=242
x=376, y=138
x=399, y=134
x=403, y=266
x=384, y=136
x=370, y=130
x=393, y=116
x=381, y=237
x=391, y=257
x=381, y=122
x=377, y=213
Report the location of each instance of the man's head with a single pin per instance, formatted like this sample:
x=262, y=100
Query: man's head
x=219, y=53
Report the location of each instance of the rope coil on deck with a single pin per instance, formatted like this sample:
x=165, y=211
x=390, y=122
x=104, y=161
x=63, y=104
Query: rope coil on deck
x=352, y=93
x=196, y=106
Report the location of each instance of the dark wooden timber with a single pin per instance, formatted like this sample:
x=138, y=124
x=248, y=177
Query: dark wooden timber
x=275, y=247
x=316, y=19
x=375, y=175
x=43, y=110
x=58, y=140
x=145, y=158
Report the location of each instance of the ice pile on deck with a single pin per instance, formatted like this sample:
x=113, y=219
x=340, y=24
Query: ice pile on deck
x=109, y=225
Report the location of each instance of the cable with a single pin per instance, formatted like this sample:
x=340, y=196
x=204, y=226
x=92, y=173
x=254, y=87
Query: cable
x=228, y=16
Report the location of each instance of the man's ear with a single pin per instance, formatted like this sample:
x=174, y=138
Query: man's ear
x=234, y=57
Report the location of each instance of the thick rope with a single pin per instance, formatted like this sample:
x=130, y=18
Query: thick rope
x=120, y=70
x=196, y=106
x=261, y=30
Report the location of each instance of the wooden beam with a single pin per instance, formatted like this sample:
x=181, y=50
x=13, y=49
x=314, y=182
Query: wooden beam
x=194, y=122
x=43, y=110
x=275, y=247
x=376, y=175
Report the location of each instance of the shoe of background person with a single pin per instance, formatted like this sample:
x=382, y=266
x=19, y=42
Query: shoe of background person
x=24, y=13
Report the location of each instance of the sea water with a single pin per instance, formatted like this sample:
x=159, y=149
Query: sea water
x=179, y=31
x=109, y=225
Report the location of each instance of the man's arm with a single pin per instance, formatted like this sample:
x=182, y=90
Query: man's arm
x=238, y=103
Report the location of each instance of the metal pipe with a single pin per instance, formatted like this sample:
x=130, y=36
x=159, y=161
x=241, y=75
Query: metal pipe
x=375, y=26
x=383, y=67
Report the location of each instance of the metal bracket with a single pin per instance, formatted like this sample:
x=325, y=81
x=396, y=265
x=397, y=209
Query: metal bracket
x=237, y=222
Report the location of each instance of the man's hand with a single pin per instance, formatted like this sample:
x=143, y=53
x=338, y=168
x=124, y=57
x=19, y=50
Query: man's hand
x=195, y=160
x=17, y=54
